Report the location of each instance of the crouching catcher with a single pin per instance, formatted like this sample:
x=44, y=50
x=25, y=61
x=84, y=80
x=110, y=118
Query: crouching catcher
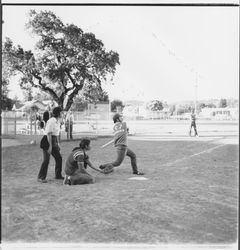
x=77, y=163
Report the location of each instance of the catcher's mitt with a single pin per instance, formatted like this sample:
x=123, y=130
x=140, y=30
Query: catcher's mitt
x=108, y=169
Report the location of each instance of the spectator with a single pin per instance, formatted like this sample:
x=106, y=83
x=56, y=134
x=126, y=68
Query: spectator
x=51, y=146
x=69, y=124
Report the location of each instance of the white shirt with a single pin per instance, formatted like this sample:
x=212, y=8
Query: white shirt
x=53, y=126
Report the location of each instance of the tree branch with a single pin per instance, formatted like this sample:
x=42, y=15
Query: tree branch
x=45, y=88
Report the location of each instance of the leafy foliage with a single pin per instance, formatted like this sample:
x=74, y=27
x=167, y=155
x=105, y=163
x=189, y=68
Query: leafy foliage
x=116, y=103
x=223, y=103
x=155, y=105
x=66, y=61
x=94, y=93
x=6, y=103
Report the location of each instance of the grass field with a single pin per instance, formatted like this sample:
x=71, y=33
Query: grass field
x=190, y=196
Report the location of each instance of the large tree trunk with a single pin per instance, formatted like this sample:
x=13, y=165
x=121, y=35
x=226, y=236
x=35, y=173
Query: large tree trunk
x=68, y=105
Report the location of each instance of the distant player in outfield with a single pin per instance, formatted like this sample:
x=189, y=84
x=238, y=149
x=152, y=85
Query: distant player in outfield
x=77, y=163
x=120, y=142
x=193, y=124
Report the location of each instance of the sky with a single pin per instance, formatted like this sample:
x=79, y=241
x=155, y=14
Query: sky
x=166, y=53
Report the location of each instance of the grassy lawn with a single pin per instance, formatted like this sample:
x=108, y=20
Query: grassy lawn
x=192, y=200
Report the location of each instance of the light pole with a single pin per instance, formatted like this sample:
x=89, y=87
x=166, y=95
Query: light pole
x=196, y=85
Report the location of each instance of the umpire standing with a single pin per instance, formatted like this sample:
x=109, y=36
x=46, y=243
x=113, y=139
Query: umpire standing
x=52, y=132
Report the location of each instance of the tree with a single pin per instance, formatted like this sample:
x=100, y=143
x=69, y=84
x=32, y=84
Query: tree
x=6, y=102
x=91, y=94
x=41, y=96
x=155, y=105
x=79, y=104
x=180, y=110
x=66, y=58
x=28, y=95
x=172, y=108
x=223, y=103
x=201, y=105
x=94, y=94
x=116, y=103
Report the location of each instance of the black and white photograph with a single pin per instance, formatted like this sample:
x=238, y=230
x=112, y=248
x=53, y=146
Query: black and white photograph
x=120, y=125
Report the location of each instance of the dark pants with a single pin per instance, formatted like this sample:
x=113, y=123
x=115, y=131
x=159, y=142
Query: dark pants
x=193, y=124
x=46, y=158
x=121, y=152
x=69, y=130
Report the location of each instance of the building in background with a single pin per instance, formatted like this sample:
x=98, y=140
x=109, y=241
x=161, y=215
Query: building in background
x=220, y=113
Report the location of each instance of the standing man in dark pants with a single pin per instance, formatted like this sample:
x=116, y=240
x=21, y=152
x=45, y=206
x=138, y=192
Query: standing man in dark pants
x=69, y=124
x=120, y=142
x=193, y=124
x=52, y=132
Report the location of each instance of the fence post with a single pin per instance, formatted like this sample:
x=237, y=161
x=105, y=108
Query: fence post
x=6, y=117
x=96, y=122
x=31, y=123
x=35, y=123
x=68, y=129
x=15, y=125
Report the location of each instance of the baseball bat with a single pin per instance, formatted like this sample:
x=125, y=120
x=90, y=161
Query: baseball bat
x=106, y=144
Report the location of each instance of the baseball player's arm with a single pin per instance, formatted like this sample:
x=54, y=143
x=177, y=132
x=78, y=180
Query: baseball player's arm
x=91, y=166
x=124, y=125
x=49, y=136
x=126, y=129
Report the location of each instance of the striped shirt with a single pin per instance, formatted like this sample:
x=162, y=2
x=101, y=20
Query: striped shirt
x=76, y=156
x=120, y=133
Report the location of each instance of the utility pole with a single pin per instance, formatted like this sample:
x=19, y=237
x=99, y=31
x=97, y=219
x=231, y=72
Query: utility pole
x=196, y=85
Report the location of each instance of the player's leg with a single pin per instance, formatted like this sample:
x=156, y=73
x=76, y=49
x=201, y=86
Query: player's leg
x=121, y=152
x=71, y=129
x=81, y=178
x=195, y=129
x=190, y=130
x=133, y=158
x=44, y=167
x=58, y=162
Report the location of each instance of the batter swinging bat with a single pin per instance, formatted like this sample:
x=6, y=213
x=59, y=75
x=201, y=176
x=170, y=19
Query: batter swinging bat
x=105, y=145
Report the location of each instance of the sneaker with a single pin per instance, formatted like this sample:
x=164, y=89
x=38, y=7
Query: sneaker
x=42, y=180
x=67, y=180
x=60, y=178
x=138, y=173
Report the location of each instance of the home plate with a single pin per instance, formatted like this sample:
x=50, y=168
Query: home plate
x=138, y=178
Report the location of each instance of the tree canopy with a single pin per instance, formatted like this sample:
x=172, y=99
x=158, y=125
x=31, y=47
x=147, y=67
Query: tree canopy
x=116, y=103
x=6, y=102
x=66, y=60
x=223, y=103
x=155, y=105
